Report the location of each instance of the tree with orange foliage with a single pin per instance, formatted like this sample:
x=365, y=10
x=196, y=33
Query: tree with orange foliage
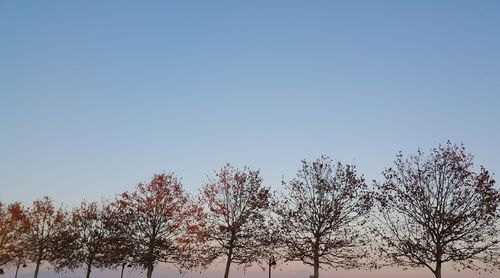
x=235, y=203
x=154, y=219
x=45, y=225
x=12, y=225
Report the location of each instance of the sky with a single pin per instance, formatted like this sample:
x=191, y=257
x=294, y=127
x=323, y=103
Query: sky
x=96, y=96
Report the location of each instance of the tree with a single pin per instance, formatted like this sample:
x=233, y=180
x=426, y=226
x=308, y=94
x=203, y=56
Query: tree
x=12, y=225
x=118, y=247
x=235, y=203
x=321, y=213
x=436, y=209
x=153, y=218
x=45, y=224
x=87, y=239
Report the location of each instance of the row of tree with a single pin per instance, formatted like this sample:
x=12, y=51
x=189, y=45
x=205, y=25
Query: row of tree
x=429, y=210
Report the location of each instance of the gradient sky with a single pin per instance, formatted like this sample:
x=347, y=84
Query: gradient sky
x=96, y=96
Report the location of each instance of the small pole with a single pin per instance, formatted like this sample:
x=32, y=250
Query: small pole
x=17, y=269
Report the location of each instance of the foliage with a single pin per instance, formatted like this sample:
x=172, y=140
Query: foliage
x=12, y=225
x=45, y=225
x=431, y=210
x=153, y=218
x=321, y=215
x=235, y=203
x=436, y=209
x=87, y=240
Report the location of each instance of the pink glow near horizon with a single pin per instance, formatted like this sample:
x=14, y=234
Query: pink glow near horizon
x=292, y=270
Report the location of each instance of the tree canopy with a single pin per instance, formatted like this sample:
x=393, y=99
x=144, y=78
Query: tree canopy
x=321, y=215
x=436, y=209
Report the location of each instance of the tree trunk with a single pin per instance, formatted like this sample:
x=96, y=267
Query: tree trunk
x=439, y=262
x=123, y=267
x=316, y=258
x=37, y=267
x=150, y=270
x=437, y=272
x=39, y=255
x=269, y=267
x=316, y=268
x=89, y=268
x=228, y=263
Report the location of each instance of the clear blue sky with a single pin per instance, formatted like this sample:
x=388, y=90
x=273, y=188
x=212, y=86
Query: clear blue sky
x=96, y=96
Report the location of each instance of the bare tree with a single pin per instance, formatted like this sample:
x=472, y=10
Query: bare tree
x=321, y=215
x=153, y=218
x=235, y=202
x=45, y=224
x=436, y=209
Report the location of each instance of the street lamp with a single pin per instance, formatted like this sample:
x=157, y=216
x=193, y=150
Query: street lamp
x=271, y=262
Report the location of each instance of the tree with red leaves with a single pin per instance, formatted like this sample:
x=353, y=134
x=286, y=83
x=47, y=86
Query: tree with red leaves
x=321, y=216
x=12, y=226
x=235, y=203
x=436, y=209
x=154, y=219
x=45, y=225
